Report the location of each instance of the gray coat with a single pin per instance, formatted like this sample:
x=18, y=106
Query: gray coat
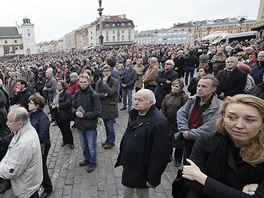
x=109, y=102
x=209, y=118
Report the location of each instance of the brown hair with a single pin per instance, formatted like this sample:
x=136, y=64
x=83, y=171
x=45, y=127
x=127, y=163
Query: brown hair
x=253, y=153
x=38, y=100
x=63, y=83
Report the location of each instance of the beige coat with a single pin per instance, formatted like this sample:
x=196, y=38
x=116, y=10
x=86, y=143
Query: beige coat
x=150, y=75
x=140, y=71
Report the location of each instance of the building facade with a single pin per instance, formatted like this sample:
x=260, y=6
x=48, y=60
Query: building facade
x=260, y=20
x=226, y=25
x=18, y=39
x=116, y=30
x=147, y=37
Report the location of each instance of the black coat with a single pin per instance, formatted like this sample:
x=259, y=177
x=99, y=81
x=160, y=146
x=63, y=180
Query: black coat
x=90, y=102
x=227, y=173
x=144, y=149
x=258, y=90
x=65, y=106
x=3, y=113
x=231, y=84
x=40, y=121
x=164, y=88
x=22, y=98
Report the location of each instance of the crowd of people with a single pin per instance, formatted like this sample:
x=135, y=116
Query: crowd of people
x=193, y=104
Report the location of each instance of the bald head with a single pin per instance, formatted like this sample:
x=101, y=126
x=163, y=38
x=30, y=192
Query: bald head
x=144, y=99
x=17, y=118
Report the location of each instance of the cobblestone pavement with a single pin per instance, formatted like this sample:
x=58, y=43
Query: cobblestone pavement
x=71, y=181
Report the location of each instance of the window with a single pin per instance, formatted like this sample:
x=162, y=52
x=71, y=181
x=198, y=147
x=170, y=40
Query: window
x=113, y=24
x=29, y=34
x=107, y=32
x=123, y=37
x=122, y=31
x=106, y=38
x=15, y=41
x=113, y=38
x=113, y=31
x=234, y=26
x=5, y=41
x=225, y=27
x=129, y=37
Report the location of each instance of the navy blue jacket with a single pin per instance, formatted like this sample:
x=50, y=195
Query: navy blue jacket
x=257, y=72
x=40, y=121
x=129, y=77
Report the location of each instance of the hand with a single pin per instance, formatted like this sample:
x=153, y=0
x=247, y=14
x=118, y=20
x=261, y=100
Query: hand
x=250, y=189
x=222, y=95
x=105, y=79
x=193, y=173
x=185, y=135
x=105, y=94
x=79, y=114
x=53, y=106
x=149, y=185
x=45, y=88
x=167, y=81
x=123, y=85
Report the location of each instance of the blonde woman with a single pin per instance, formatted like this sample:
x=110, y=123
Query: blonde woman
x=230, y=162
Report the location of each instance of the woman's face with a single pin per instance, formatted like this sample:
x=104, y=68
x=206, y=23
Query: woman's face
x=32, y=106
x=176, y=88
x=242, y=122
x=59, y=86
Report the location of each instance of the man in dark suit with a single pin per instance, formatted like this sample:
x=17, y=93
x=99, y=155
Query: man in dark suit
x=232, y=81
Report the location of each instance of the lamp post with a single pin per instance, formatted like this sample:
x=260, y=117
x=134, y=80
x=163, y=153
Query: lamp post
x=240, y=22
x=100, y=10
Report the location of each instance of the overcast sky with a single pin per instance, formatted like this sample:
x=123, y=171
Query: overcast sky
x=54, y=18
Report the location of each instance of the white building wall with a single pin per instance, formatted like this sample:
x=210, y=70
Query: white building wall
x=28, y=36
x=69, y=41
x=92, y=36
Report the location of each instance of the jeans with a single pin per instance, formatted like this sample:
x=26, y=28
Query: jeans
x=189, y=71
x=110, y=131
x=127, y=98
x=88, y=143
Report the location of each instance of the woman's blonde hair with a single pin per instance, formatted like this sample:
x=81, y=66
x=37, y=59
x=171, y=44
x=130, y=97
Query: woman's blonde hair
x=253, y=152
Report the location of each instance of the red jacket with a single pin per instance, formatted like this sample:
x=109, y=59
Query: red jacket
x=73, y=87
